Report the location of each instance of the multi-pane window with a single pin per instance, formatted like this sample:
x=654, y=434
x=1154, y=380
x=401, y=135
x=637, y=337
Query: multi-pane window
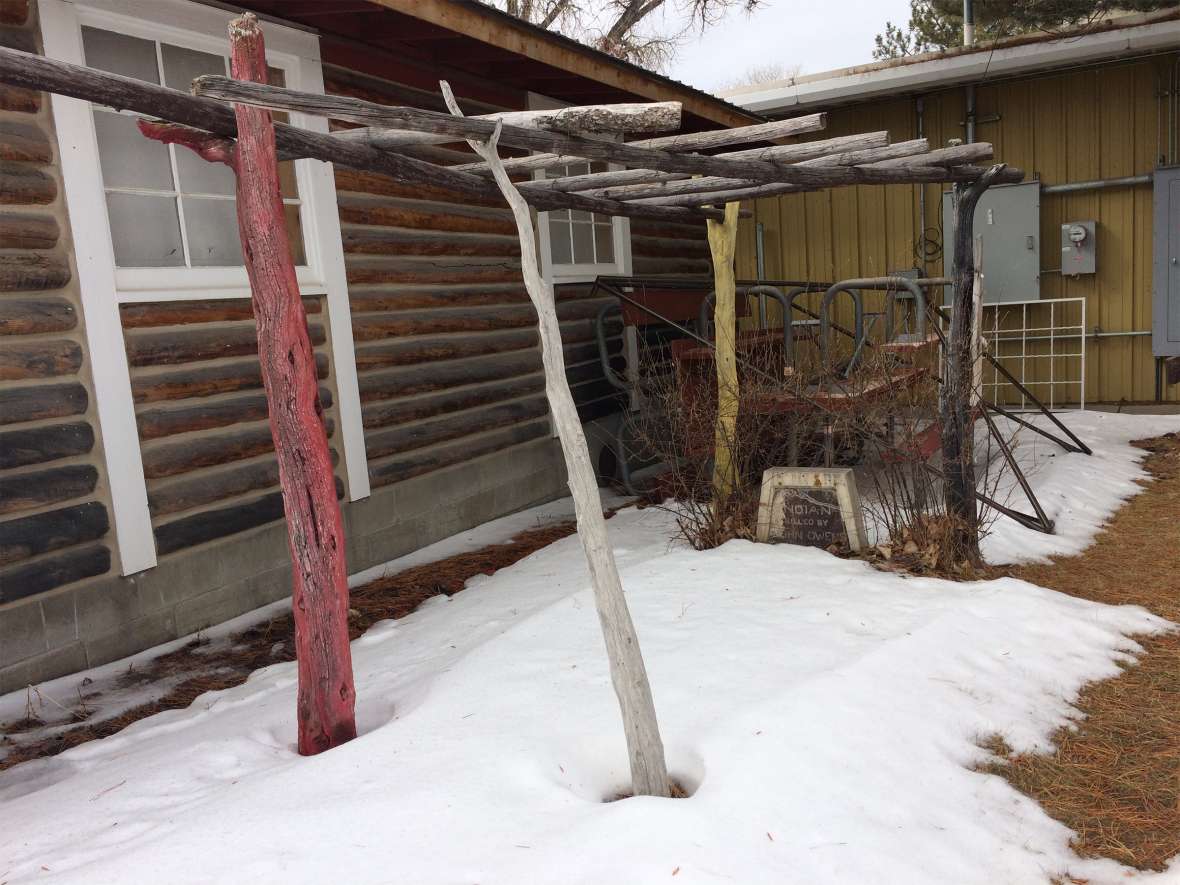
x=168, y=207
x=576, y=237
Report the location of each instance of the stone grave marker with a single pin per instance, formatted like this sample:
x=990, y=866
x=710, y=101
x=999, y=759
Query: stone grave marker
x=815, y=507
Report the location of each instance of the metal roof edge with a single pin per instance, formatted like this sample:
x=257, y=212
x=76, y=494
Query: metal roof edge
x=717, y=110
x=965, y=65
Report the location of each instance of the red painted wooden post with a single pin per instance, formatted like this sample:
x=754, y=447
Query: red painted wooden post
x=315, y=531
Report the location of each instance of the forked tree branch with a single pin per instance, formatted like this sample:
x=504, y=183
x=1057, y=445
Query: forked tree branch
x=649, y=773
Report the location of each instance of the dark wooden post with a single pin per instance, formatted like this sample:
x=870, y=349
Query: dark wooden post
x=315, y=531
x=958, y=424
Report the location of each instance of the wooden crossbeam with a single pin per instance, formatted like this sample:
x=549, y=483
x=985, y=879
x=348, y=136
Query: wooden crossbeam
x=663, y=116
x=688, y=141
x=762, y=171
x=357, y=110
x=900, y=151
x=37, y=72
x=906, y=174
x=959, y=155
x=759, y=173
x=789, y=153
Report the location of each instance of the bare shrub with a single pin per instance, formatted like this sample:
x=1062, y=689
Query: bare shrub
x=881, y=417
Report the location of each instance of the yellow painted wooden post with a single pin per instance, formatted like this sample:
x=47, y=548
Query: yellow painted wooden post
x=722, y=240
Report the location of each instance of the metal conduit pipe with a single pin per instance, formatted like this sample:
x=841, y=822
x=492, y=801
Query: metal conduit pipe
x=1095, y=185
x=1134, y=334
x=920, y=117
x=760, y=258
x=969, y=91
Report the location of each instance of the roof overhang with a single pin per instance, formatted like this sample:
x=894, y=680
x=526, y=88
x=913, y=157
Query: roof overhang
x=498, y=29
x=1020, y=56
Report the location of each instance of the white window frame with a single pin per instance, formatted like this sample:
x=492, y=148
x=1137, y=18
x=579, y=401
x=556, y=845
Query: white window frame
x=103, y=286
x=557, y=274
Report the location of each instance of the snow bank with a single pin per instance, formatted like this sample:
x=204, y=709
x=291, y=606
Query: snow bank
x=827, y=716
x=107, y=694
x=1079, y=492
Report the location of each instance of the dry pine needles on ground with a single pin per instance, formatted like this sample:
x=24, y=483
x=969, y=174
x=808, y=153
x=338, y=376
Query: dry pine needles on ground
x=272, y=642
x=1114, y=777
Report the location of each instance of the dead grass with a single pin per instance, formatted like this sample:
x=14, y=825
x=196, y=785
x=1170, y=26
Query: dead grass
x=677, y=790
x=1114, y=778
x=273, y=641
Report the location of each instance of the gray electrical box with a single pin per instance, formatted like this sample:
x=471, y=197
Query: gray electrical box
x=1165, y=311
x=1079, y=248
x=1008, y=219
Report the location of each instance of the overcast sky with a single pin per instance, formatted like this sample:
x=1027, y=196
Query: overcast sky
x=818, y=34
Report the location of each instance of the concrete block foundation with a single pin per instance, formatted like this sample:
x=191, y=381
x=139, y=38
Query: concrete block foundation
x=99, y=621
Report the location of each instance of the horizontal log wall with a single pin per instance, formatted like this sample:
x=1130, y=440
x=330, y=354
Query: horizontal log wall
x=55, y=527
x=658, y=249
x=447, y=355
x=208, y=458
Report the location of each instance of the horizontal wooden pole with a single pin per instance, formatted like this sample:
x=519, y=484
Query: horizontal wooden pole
x=356, y=110
x=959, y=155
x=905, y=149
x=849, y=175
x=33, y=71
x=663, y=116
x=789, y=153
x=684, y=142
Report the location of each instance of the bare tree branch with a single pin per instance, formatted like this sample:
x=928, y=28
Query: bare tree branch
x=626, y=28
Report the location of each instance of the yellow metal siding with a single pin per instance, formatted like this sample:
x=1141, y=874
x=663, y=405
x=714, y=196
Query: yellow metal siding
x=1099, y=122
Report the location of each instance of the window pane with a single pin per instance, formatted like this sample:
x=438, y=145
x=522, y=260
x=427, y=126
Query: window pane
x=559, y=240
x=295, y=234
x=580, y=215
x=212, y=228
x=598, y=166
x=604, y=243
x=182, y=66
x=200, y=177
x=127, y=158
x=120, y=54
x=145, y=231
x=583, y=243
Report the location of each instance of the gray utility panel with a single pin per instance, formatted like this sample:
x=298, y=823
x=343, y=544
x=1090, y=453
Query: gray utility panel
x=1165, y=311
x=1008, y=219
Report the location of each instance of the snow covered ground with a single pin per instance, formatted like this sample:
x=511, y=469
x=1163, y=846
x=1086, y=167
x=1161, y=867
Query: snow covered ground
x=1078, y=492
x=826, y=714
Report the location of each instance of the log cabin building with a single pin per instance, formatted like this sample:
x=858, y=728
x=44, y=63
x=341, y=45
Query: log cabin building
x=139, y=495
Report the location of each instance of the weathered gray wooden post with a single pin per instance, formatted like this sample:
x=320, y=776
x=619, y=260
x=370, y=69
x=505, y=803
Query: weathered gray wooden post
x=649, y=773
x=957, y=394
